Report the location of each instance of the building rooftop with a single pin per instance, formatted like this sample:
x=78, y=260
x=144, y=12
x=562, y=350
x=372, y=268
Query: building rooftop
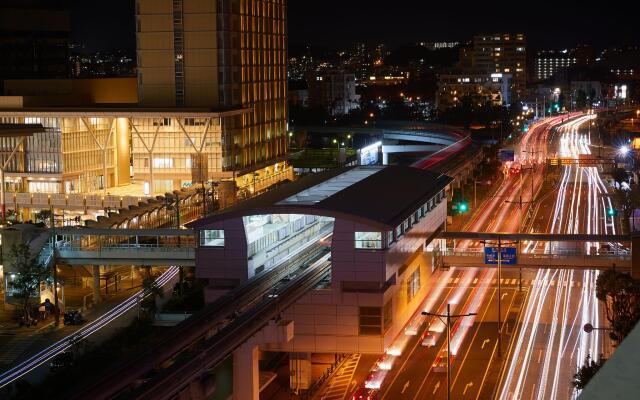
x=618, y=377
x=380, y=195
x=122, y=111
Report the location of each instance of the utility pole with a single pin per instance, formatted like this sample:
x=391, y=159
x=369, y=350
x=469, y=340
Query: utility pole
x=500, y=243
x=499, y=298
x=447, y=320
x=55, y=268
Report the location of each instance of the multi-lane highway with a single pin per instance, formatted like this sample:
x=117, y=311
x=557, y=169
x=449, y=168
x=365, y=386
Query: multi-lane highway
x=551, y=344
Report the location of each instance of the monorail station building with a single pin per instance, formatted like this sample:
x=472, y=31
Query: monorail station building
x=371, y=223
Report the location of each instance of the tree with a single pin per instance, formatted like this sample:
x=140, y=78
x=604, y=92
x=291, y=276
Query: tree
x=581, y=99
x=43, y=216
x=620, y=294
x=29, y=273
x=627, y=201
x=586, y=372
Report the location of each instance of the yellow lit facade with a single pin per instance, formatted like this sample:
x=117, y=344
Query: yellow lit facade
x=94, y=151
x=219, y=55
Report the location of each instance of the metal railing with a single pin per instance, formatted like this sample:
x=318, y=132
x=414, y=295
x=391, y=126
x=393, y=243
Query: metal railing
x=541, y=253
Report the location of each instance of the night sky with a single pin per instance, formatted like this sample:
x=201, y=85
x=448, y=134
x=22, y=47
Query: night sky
x=340, y=23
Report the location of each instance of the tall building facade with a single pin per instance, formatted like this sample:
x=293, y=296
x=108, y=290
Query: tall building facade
x=335, y=91
x=454, y=88
x=548, y=62
x=502, y=53
x=34, y=39
x=219, y=54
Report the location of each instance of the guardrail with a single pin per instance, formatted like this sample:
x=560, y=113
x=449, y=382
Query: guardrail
x=74, y=201
x=475, y=252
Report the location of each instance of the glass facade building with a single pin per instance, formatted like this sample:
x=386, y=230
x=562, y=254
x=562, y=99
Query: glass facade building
x=221, y=55
x=93, y=151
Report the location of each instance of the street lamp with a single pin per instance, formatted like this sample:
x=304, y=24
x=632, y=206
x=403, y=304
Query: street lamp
x=623, y=151
x=447, y=321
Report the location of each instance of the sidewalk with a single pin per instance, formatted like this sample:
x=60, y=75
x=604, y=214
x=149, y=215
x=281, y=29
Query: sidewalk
x=25, y=342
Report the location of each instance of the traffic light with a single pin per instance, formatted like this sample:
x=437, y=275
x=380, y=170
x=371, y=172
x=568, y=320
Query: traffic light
x=463, y=207
x=612, y=212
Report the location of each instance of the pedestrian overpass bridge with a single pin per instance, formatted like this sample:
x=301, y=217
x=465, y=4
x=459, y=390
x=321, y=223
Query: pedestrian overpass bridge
x=562, y=252
x=143, y=247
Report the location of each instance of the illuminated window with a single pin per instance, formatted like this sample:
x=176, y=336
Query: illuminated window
x=413, y=284
x=212, y=238
x=163, y=163
x=368, y=240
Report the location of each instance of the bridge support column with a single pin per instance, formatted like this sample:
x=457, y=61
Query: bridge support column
x=300, y=371
x=246, y=373
x=96, y=284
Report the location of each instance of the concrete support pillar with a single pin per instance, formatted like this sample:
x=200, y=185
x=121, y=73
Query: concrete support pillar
x=26, y=214
x=385, y=158
x=246, y=373
x=96, y=284
x=300, y=371
x=3, y=209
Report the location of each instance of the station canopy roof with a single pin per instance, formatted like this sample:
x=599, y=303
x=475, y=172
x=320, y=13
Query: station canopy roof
x=382, y=195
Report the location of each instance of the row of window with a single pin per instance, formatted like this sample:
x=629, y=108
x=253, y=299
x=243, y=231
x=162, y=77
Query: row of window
x=420, y=213
x=373, y=240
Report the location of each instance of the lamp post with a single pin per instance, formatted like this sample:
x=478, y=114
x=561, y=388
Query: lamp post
x=588, y=328
x=447, y=320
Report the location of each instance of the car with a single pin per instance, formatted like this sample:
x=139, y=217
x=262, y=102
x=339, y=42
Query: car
x=428, y=339
x=62, y=360
x=73, y=317
x=440, y=363
x=384, y=363
x=365, y=394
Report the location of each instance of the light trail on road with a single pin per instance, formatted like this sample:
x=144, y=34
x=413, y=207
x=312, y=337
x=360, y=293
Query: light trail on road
x=557, y=337
x=87, y=330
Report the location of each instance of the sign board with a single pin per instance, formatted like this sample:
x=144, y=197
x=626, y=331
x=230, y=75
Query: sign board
x=508, y=256
x=506, y=155
x=370, y=155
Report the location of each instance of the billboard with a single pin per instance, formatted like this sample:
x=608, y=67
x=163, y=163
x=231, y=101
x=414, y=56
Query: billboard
x=370, y=155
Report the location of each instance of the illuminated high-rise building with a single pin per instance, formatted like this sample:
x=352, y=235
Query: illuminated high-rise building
x=502, y=53
x=221, y=55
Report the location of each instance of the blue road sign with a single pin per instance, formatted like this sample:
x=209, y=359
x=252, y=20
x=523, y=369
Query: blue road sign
x=508, y=256
x=506, y=155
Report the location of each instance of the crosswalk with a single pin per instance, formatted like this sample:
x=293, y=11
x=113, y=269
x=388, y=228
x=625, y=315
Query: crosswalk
x=515, y=282
x=341, y=381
